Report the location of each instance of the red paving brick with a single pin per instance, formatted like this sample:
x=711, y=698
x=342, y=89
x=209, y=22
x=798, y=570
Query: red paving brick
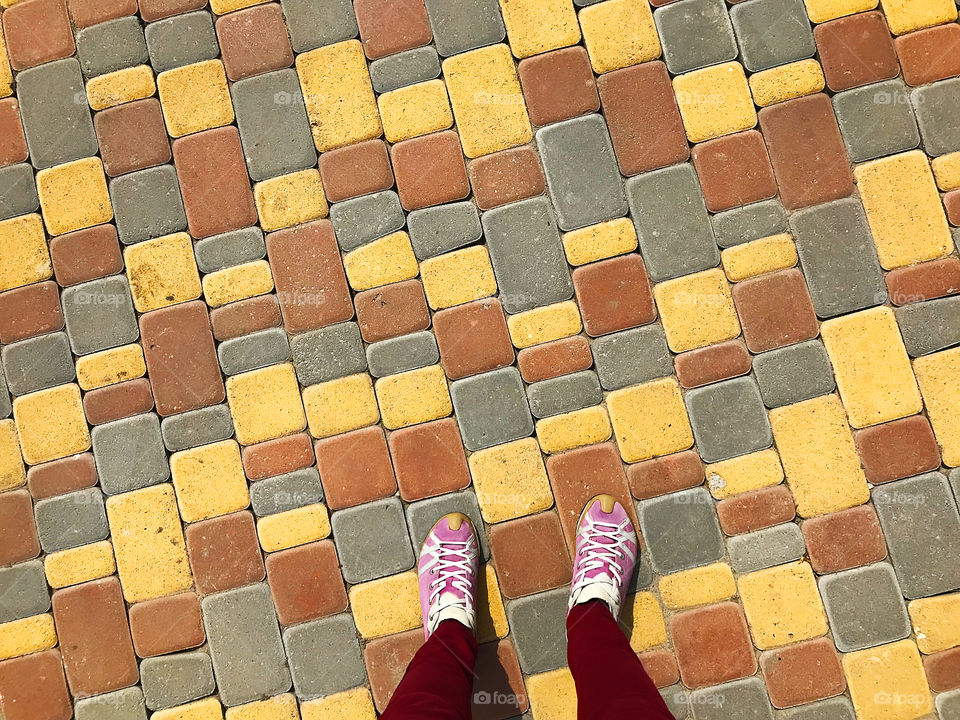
x=951, y=204
x=245, y=316
x=845, y=539
x=13, y=146
x=387, y=659
x=712, y=645
x=355, y=468
x=254, y=41
x=151, y=10
x=802, y=673
x=86, y=255
x=856, y=50
x=734, y=170
x=62, y=476
x=929, y=55
x=276, y=457
x=429, y=459
x=661, y=666
x=306, y=583
x=391, y=26
x=553, y=359
x=166, y=624
x=925, y=281
x=775, y=310
x=614, y=295
x=37, y=32
x=114, y=402
x=29, y=311
x=93, y=12
x=943, y=670
x=756, y=510
x=355, y=170
x=224, y=552
x=33, y=688
x=18, y=532
x=712, y=364
x=897, y=449
x=558, y=85
x=473, y=338
x=666, y=474
x=392, y=310
x=132, y=137
x=430, y=170
x=506, y=177
x=521, y=572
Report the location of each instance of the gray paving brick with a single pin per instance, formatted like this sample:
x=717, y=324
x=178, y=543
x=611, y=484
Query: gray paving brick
x=23, y=591
x=314, y=23
x=99, y=315
x=564, y=394
x=631, y=357
x=147, y=204
x=6, y=406
x=423, y=515
x=728, y=419
x=171, y=680
x=364, y=219
x=229, y=249
x=936, y=107
x=111, y=46
x=672, y=222
x=537, y=626
x=955, y=483
x=273, y=124
x=948, y=705
x=876, y=120
x=464, y=25
x=408, y=352
x=196, y=427
x=527, y=255
x=677, y=698
x=835, y=708
x=182, y=40
x=694, y=34
x=256, y=350
x=581, y=170
x=129, y=454
x=491, y=408
x=921, y=524
x=772, y=32
x=286, y=492
x=642, y=574
x=681, y=530
x=324, y=656
x=405, y=68
x=436, y=230
x=18, y=191
x=765, y=548
x=930, y=326
x=751, y=222
x=372, y=540
x=38, y=363
x=842, y=276
x=864, y=607
x=126, y=704
x=68, y=521
x=55, y=114
x=794, y=373
x=328, y=353
x=744, y=699
x=244, y=641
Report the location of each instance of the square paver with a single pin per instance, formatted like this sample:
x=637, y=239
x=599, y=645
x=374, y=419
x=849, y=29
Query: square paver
x=712, y=644
x=935, y=106
x=793, y=374
x=111, y=46
x=680, y=530
x=876, y=120
x=930, y=326
x=38, y=363
x=147, y=204
x=71, y=520
x=176, y=679
x=694, y=34
x=728, y=419
x=372, y=540
x=865, y=607
x=739, y=700
x=537, y=625
x=130, y=454
x=772, y=32
x=324, y=656
x=491, y=408
x=631, y=357
x=126, y=704
x=18, y=191
x=329, y=353
x=99, y=315
x=23, y=591
x=181, y=40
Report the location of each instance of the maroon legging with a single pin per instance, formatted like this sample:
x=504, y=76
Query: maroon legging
x=611, y=682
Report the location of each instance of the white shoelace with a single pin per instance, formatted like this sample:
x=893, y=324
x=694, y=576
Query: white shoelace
x=452, y=565
x=603, y=547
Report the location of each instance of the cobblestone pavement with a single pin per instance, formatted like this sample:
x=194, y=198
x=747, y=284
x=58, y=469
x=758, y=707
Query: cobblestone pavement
x=280, y=283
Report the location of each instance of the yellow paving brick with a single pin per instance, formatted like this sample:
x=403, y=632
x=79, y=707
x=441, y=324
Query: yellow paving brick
x=597, y=242
x=946, y=170
x=871, y=365
x=290, y=200
x=573, y=429
x=458, y=277
x=535, y=26
x=74, y=196
x=649, y=420
x=280, y=707
x=109, y=367
x=51, y=424
x=120, y=87
x=903, y=209
x=819, y=457
x=80, y=564
x=415, y=110
x=338, y=95
x=491, y=616
x=6, y=74
x=237, y=283
x=148, y=543
x=206, y=709
x=699, y=586
x=209, y=480
x=195, y=97
x=12, y=472
x=487, y=101
x=552, y=695
x=935, y=622
x=265, y=404
x=823, y=10
x=162, y=272
x=386, y=606
x=619, y=33
x=646, y=617
x=387, y=260
x=939, y=378
x=340, y=405
x=697, y=310
x=543, y=324
x=905, y=16
x=786, y=82
x=887, y=682
x=715, y=101
x=23, y=247
x=782, y=605
x=741, y=474
x=353, y=704
x=413, y=397
x=221, y=7
x=776, y=252
x=293, y=527
x=28, y=635
x=510, y=480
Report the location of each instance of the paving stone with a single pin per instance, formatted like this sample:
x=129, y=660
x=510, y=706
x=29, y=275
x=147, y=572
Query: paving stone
x=694, y=34
x=680, y=530
x=126, y=704
x=273, y=124
x=392, y=310
x=23, y=591
x=558, y=85
x=739, y=700
x=35, y=685
x=38, y=363
x=756, y=510
x=119, y=401
x=176, y=679
x=355, y=468
x=305, y=582
x=856, y=50
x=676, y=697
x=386, y=31
x=397, y=355
x=254, y=41
x=329, y=353
x=520, y=573
x=372, y=540
x=603, y=308
x=841, y=277
x=364, y=219
x=20, y=540
x=897, y=449
x=286, y=492
x=467, y=26
x=473, y=338
x=749, y=180
x=865, y=607
x=876, y=120
x=766, y=548
x=196, y=427
x=918, y=53
x=751, y=222
x=505, y=177
x=775, y=310
x=423, y=515
x=537, y=626
x=926, y=281
x=948, y=705
x=111, y=46
x=429, y=459
x=250, y=352
x=313, y=24
x=147, y=204
x=527, y=255
x=275, y=457
x=224, y=552
x=403, y=69
x=712, y=411
x=802, y=673
x=58, y=129
x=132, y=137
x=793, y=374
x=37, y=34
x=6, y=406
x=130, y=454
x=437, y=230
x=166, y=624
x=245, y=646
x=712, y=363
x=553, y=359
x=933, y=104
x=430, y=170
x=30, y=311
x=229, y=249
x=181, y=40
x=930, y=326
x=922, y=527
x=19, y=191
x=308, y=649
x=772, y=32
x=71, y=520
x=491, y=408
x=712, y=644
x=564, y=394
x=355, y=170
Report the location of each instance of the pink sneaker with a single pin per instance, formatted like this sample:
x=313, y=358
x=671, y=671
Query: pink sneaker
x=447, y=568
x=606, y=554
